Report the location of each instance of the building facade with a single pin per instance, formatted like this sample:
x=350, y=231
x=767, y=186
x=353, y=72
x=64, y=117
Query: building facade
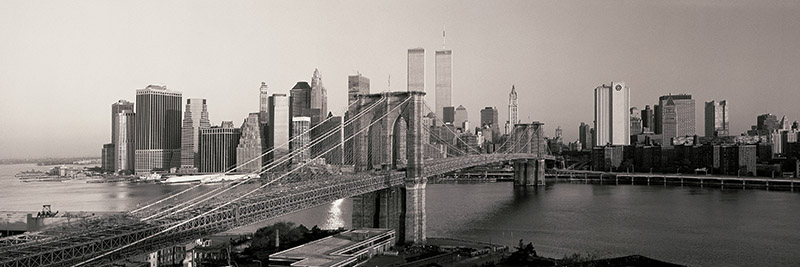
x=218, y=147
x=107, y=158
x=416, y=69
x=489, y=120
x=461, y=117
x=319, y=99
x=117, y=108
x=125, y=142
x=249, y=156
x=717, y=119
x=158, y=129
x=263, y=103
x=612, y=114
x=194, y=118
x=301, y=138
x=356, y=85
x=648, y=119
x=585, y=136
x=636, y=121
x=278, y=133
x=448, y=115
x=444, y=81
x=677, y=116
x=512, y=108
x=300, y=100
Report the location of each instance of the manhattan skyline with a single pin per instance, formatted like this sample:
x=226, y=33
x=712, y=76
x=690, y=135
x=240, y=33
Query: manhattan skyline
x=66, y=63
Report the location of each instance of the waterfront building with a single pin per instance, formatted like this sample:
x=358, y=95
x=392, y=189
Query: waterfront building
x=194, y=118
x=611, y=114
x=461, y=117
x=251, y=145
x=356, y=85
x=448, y=115
x=677, y=116
x=319, y=99
x=300, y=100
x=107, y=158
x=218, y=147
x=117, y=108
x=301, y=138
x=585, y=136
x=444, y=82
x=416, y=69
x=350, y=248
x=636, y=121
x=278, y=133
x=158, y=129
x=125, y=142
x=648, y=119
x=717, y=120
x=263, y=104
x=512, y=108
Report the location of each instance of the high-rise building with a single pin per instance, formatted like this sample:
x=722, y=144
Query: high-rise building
x=636, y=121
x=611, y=114
x=416, y=69
x=300, y=100
x=251, y=145
x=461, y=117
x=585, y=136
x=194, y=118
x=116, y=108
x=263, y=104
x=301, y=138
x=356, y=85
x=107, y=158
x=489, y=119
x=218, y=147
x=444, y=81
x=767, y=123
x=448, y=115
x=677, y=116
x=158, y=129
x=125, y=142
x=512, y=108
x=648, y=119
x=717, y=120
x=330, y=146
x=319, y=99
x=278, y=136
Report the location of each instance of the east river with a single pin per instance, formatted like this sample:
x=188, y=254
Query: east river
x=686, y=225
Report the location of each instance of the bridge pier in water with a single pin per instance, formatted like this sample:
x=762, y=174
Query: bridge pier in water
x=529, y=172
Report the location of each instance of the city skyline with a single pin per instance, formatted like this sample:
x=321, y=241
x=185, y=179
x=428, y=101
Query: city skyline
x=709, y=49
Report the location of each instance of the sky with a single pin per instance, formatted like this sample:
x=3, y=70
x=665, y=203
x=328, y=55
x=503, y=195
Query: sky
x=63, y=63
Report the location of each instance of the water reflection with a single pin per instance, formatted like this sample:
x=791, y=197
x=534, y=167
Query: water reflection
x=334, y=218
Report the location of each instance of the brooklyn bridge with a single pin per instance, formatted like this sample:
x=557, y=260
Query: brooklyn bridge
x=382, y=142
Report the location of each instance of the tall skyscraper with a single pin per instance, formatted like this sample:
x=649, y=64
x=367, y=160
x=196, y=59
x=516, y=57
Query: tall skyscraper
x=194, y=118
x=319, y=99
x=330, y=148
x=448, y=115
x=218, y=147
x=416, y=69
x=461, y=117
x=489, y=119
x=158, y=129
x=585, y=136
x=717, y=120
x=107, y=157
x=278, y=137
x=356, y=85
x=301, y=138
x=611, y=114
x=263, y=104
x=125, y=142
x=512, y=108
x=648, y=119
x=767, y=123
x=636, y=121
x=444, y=81
x=251, y=145
x=300, y=100
x=677, y=116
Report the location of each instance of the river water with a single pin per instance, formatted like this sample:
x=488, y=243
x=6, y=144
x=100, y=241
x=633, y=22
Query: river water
x=686, y=225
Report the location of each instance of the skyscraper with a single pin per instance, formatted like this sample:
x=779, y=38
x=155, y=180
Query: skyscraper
x=356, y=85
x=251, y=145
x=300, y=100
x=636, y=121
x=263, y=104
x=717, y=120
x=585, y=136
x=648, y=119
x=489, y=119
x=125, y=142
x=278, y=137
x=677, y=116
x=218, y=147
x=448, y=115
x=444, y=81
x=461, y=117
x=319, y=99
x=194, y=118
x=107, y=157
x=416, y=69
x=158, y=129
x=512, y=108
x=301, y=139
x=766, y=123
x=611, y=114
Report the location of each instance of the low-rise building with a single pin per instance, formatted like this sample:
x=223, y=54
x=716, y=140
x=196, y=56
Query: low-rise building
x=345, y=249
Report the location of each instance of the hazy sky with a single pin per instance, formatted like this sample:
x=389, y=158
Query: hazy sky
x=63, y=63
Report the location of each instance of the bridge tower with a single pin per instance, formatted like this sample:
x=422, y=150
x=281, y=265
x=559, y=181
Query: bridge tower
x=529, y=172
x=394, y=142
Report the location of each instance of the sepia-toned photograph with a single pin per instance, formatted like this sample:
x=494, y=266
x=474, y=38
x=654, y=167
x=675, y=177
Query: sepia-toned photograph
x=413, y=133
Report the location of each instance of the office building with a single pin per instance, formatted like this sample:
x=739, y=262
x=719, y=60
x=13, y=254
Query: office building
x=117, y=108
x=263, y=104
x=107, y=158
x=636, y=121
x=461, y=117
x=158, y=129
x=444, y=82
x=218, y=147
x=278, y=133
x=330, y=146
x=356, y=85
x=612, y=114
x=648, y=119
x=585, y=136
x=319, y=99
x=251, y=145
x=448, y=115
x=512, y=108
x=124, y=142
x=300, y=100
x=301, y=138
x=194, y=118
x=489, y=120
x=416, y=69
x=717, y=121
x=767, y=123
x=677, y=116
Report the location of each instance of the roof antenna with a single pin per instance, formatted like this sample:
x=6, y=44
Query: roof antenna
x=444, y=38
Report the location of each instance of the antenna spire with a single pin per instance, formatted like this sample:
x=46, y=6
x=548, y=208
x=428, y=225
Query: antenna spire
x=444, y=38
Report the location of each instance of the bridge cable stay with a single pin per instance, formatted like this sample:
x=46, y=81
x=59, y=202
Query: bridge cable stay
x=440, y=122
x=170, y=196
x=269, y=167
x=448, y=145
x=242, y=196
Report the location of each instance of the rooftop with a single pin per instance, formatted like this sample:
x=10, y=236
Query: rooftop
x=330, y=250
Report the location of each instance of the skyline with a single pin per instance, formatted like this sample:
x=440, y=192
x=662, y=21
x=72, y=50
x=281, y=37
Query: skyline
x=742, y=52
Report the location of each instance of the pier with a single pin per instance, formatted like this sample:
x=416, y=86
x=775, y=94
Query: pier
x=676, y=179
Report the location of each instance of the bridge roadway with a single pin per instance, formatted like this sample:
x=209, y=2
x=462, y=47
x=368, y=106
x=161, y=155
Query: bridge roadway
x=73, y=244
